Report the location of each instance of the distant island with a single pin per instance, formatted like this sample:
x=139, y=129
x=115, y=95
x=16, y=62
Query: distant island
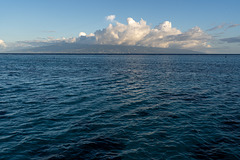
x=102, y=49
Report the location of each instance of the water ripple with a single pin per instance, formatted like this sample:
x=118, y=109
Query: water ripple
x=56, y=107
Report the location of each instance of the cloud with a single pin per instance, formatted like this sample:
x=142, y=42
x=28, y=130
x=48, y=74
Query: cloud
x=121, y=34
x=2, y=44
x=173, y=38
x=110, y=18
x=50, y=40
x=232, y=26
x=132, y=33
x=217, y=27
x=41, y=42
x=231, y=39
x=83, y=38
x=82, y=34
x=226, y=26
x=140, y=34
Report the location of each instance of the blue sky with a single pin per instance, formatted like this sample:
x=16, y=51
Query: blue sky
x=22, y=20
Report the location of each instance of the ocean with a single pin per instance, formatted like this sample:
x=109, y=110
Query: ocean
x=119, y=107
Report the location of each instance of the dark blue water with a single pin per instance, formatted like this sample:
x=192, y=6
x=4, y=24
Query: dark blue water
x=119, y=107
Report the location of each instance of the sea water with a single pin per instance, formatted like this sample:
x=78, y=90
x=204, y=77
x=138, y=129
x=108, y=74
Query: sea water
x=119, y=107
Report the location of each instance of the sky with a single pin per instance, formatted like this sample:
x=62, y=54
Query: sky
x=212, y=26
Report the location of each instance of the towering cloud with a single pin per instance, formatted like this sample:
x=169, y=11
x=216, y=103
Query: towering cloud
x=121, y=34
x=163, y=35
x=2, y=44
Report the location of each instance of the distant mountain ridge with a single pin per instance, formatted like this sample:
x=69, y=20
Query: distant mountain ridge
x=103, y=49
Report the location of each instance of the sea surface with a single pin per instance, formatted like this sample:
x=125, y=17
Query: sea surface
x=119, y=107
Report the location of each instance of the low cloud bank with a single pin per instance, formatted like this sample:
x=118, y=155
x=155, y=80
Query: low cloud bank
x=132, y=33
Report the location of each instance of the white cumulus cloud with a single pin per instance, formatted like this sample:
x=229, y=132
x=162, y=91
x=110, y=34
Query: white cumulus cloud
x=83, y=34
x=2, y=44
x=141, y=34
x=84, y=38
x=110, y=18
x=121, y=34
